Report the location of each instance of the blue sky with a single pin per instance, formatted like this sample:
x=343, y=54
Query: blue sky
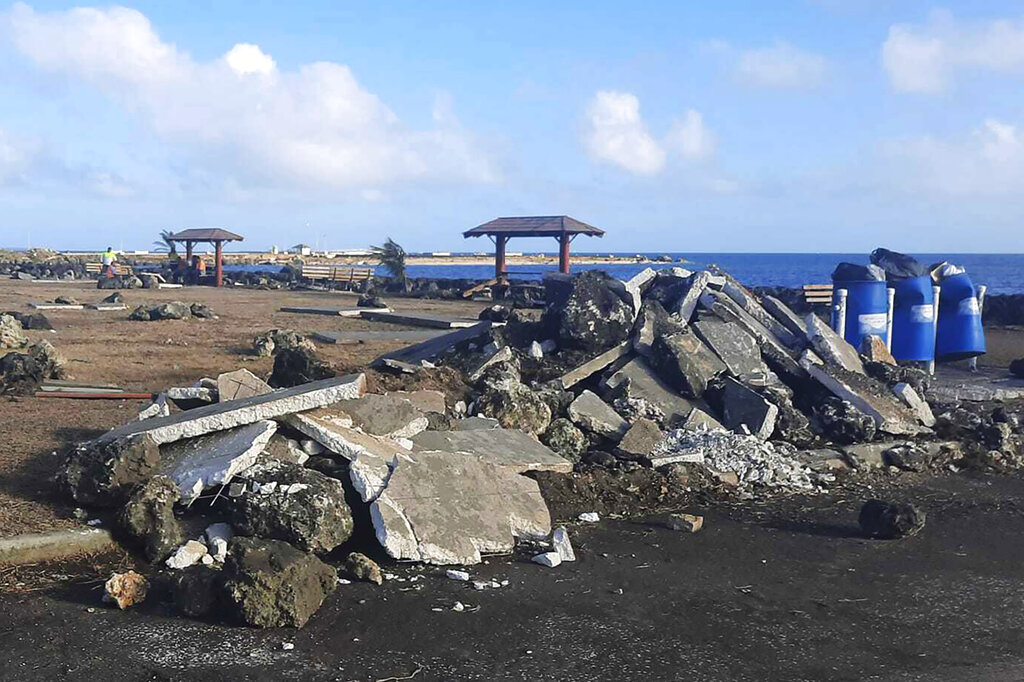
x=813, y=125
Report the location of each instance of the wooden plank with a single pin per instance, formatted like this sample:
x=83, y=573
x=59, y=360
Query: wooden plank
x=431, y=348
x=472, y=291
x=106, y=395
x=59, y=383
x=588, y=368
x=817, y=287
x=417, y=320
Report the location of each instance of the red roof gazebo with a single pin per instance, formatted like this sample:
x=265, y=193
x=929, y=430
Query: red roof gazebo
x=561, y=227
x=214, y=235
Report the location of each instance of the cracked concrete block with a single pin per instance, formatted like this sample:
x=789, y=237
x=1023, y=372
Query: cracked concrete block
x=688, y=301
x=743, y=407
x=636, y=381
x=240, y=384
x=513, y=450
x=870, y=397
x=213, y=459
x=911, y=399
x=734, y=346
x=389, y=416
x=831, y=347
x=423, y=400
x=592, y=414
x=227, y=415
x=784, y=314
x=446, y=508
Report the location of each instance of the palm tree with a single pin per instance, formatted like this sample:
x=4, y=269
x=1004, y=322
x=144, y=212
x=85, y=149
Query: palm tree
x=164, y=244
x=392, y=257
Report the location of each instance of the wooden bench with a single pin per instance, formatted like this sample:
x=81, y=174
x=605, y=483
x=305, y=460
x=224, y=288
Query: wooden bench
x=818, y=294
x=120, y=268
x=341, y=275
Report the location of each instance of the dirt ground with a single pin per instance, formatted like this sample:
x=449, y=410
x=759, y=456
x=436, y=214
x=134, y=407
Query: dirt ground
x=785, y=591
x=150, y=357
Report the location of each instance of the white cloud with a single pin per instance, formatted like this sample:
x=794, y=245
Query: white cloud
x=986, y=162
x=239, y=116
x=615, y=133
x=16, y=158
x=781, y=66
x=690, y=137
x=924, y=58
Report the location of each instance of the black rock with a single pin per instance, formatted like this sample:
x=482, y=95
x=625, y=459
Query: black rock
x=20, y=374
x=116, y=297
x=194, y=590
x=1017, y=368
x=371, y=301
x=600, y=458
x=103, y=473
x=890, y=520
x=495, y=313
x=148, y=517
x=892, y=375
x=202, y=311
x=587, y=314
x=298, y=365
x=844, y=423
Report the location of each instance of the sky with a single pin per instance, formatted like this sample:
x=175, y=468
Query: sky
x=800, y=126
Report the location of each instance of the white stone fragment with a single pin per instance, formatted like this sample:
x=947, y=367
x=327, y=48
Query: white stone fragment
x=561, y=544
x=535, y=351
x=312, y=447
x=159, y=408
x=187, y=555
x=218, y=535
x=549, y=559
x=589, y=517
x=454, y=574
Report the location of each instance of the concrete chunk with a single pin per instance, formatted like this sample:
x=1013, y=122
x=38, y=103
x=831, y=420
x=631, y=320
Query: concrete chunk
x=383, y=415
x=503, y=354
x=641, y=439
x=636, y=381
x=213, y=459
x=686, y=363
x=446, y=508
x=688, y=301
x=752, y=307
x=240, y=384
x=911, y=399
x=784, y=314
x=592, y=414
x=227, y=415
x=588, y=368
x=831, y=347
x=734, y=346
x=871, y=398
x=561, y=544
x=874, y=349
x=512, y=450
x=742, y=407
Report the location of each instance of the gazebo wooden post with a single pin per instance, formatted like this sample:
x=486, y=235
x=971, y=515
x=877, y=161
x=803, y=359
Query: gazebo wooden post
x=563, y=254
x=500, y=267
x=218, y=265
x=188, y=252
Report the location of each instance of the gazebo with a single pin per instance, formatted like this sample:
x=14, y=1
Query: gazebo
x=561, y=227
x=215, y=236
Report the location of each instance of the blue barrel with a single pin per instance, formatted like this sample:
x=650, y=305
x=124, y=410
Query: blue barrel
x=960, y=334
x=913, y=320
x=867, y=308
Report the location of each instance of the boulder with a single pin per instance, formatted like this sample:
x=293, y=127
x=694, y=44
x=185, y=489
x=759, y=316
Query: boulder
x=1017, y=367
x=116, y=297
x=890, y=520
x=36, y=321
x=565, y=439
x=102, y=473
x=370, y=300
x=11, y=335
x=745, y=411
x=148, y=518
x=266, y=345
x=844, y=423
x=595, y=416
x=294, y=504
x=125, y=589
x=515, y=407
x=894, y=374
x=867, y=395
x=298, y=365
x=202, y=311
x=269, y=583
x=174, y=310
x=686, y=363
x=362, y=567
x=589, y=315
x=20, y=374
x=495, y=313
x=653, y=321
x=735, y=347
x=195, y=590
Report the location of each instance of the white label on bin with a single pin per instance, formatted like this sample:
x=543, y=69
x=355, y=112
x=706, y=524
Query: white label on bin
x=922, y=313
x=872, y=323
x=969, y=306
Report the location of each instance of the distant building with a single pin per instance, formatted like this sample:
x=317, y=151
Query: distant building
x=301, y=250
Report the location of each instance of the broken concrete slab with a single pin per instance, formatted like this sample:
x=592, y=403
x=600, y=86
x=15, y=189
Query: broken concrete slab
x=431, y=348
x=240, y=384
x=382, y=415
x=636, y=381
x=359, y=336
x=416, y=320
x=57, y=306
x=635, y=286
x=423, y=400
x=446, y=508
x=597, y=364
x=784, y=314
x=641, y=439
x=191, y=397
x=688, y=301
x=213, y=459
x=951, y=384
x=822, y=460
x=371, y=458
x=906, y=393
x=699, y=420
x=745, y=411
x=475, y=424
x=734, y=346
x=499, y=355
x=226, y=415
x=592, y=414
x=870, y=397
x=332, y=312
x=512, y=450
x=738, y=293
x=831, y=347
x=865, y=456
x=686, y=363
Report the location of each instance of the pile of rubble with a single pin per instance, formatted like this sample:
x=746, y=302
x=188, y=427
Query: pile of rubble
x=25, y=364
x=174, y=310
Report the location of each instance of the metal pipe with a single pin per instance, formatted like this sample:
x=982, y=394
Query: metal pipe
x=891, y=295
x=839, y=313
x=936, y=291
x=972, y=364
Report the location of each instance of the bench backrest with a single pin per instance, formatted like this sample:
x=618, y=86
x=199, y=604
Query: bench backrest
x=337, y=274
x=97, y=268
x=818, y=294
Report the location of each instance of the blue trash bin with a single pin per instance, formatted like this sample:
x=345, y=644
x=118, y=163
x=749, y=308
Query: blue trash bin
x=960, y=334
x=913, y=320
x=867, y=308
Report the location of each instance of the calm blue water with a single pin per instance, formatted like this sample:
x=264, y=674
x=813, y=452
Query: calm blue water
x=1003, y=273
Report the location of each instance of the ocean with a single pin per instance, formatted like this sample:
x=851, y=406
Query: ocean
x=1002, y=273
